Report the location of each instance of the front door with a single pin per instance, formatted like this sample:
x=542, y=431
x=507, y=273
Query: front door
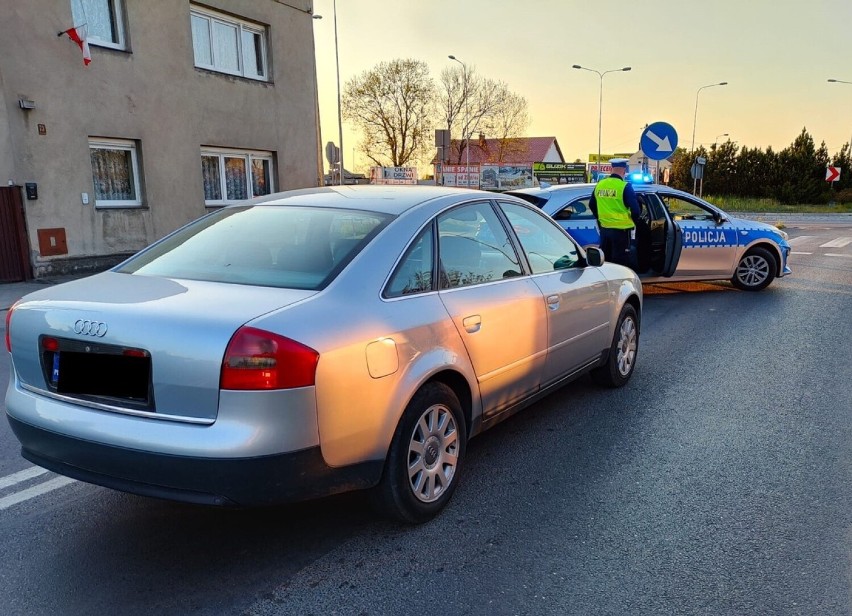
x=709, y=243
x=576, y=295
x=14, y=248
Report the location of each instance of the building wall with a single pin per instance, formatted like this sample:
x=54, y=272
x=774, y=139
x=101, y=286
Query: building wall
x=151, y=93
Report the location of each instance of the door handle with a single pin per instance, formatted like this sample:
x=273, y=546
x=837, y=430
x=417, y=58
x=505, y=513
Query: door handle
x=472, y=324
x=552, y=302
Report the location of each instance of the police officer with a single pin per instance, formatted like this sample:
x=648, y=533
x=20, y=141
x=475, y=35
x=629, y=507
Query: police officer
x=615, y=207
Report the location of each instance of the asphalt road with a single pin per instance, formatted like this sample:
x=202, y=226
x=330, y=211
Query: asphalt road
x=719, y=481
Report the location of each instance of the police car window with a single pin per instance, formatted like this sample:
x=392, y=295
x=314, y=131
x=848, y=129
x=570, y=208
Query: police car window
x=547, y=247
x=576, y=210
x=414, y=272
x=474, y=248
x=683, y=209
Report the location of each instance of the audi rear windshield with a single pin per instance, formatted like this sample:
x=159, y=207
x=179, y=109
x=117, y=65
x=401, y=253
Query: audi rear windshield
x=278, y=246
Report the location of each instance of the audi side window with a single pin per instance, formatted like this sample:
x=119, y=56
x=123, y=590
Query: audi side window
x=414, y=272
x=473, y=247
x=546, y=245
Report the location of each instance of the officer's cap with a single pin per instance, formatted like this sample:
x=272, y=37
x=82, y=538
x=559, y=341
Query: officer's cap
x=618, y=162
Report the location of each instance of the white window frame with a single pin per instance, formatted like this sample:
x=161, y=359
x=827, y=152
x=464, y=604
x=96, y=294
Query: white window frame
x=118, y=144
x=242, y=26
x=118, y=16
x=248, y=156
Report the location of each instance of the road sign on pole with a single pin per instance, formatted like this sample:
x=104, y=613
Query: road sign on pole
x=658, y=141
x=832, y=174
x=332, y=153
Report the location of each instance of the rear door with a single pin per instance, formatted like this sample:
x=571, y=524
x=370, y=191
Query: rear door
x=498, y=311
x=576, y=295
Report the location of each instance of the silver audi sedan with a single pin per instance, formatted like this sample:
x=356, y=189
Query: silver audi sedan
x=312, y=342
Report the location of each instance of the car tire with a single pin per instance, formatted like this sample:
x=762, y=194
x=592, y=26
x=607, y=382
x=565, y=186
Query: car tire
x=621, y=359
x=425, y=458
x=755, y=270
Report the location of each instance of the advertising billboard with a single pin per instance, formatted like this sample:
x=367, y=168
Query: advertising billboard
x=393, y=175
x=506, y=177
x=463, y=176
x=560, y=173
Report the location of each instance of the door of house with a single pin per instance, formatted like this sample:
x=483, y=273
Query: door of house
x=14, y=248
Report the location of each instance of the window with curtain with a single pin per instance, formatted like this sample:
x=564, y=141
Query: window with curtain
x=103, y=21
x=229, y=45
x=234, y=175
x=115, y=173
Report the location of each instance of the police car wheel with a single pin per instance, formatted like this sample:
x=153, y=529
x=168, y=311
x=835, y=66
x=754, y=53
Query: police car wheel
x=755, y=270
x=621, y=359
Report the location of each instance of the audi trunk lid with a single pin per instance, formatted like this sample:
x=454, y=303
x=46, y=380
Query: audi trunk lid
x=134, y=342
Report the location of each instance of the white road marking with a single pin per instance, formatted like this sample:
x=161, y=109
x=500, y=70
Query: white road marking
x=793, y=252
x=840, y=242
x=831, y=254
x=800, y=239
x=37, y=490
x=24, y=475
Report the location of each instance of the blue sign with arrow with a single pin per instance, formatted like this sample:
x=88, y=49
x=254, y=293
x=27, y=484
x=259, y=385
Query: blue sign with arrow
x=658, y=141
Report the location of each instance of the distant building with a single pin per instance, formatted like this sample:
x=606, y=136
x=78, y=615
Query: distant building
x=495, y=164
x=185, y=107
x=510, y=151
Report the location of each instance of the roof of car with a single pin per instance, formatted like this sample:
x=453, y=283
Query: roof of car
x=387, y=199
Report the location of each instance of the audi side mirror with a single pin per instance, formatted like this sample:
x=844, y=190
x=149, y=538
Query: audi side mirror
x=595, y=256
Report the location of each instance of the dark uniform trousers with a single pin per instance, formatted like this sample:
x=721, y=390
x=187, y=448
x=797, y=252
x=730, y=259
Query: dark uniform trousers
x=616, y=245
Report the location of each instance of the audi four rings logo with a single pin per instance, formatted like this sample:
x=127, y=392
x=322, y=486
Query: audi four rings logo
x=90, y=328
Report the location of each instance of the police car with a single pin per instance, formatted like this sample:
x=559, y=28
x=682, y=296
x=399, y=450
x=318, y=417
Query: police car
x=679, y=237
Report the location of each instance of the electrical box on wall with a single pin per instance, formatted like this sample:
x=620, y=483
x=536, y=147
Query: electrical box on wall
x=31, y=189
x=52, y=242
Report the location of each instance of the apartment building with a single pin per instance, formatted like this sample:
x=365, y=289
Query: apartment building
x=183, y=107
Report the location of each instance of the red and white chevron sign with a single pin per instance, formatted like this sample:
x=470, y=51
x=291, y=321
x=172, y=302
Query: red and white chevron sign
x=832, y=174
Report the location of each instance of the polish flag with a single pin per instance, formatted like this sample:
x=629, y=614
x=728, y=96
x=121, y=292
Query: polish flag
x=78, y=35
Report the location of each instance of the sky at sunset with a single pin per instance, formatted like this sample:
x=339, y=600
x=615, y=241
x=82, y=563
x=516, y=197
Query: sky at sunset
x=776, y=56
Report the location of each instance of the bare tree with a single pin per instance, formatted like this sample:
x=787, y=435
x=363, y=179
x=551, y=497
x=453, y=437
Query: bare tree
x=509, y=121
x=471, y=104
x=393, y=106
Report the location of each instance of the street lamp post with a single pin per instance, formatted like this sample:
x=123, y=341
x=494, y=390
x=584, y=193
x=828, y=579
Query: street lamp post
x=695, y=118
x=716, y=140
x=466, y=117
x=339, y=108
x=600, y=102
x=849, y=83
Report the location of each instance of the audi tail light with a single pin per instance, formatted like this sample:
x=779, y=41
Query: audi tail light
x=8, y=336
x=258, y=359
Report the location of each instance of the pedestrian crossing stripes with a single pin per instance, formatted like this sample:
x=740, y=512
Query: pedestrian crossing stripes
x=802, y=239
x=840, y=242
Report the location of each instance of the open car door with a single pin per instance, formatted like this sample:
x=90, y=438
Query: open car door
x=665, y=236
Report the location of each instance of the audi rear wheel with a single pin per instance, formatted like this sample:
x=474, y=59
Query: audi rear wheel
x=425, y=458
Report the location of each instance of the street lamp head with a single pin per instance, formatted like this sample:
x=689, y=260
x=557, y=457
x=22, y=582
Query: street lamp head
x=627, y=68
x=578, y=66
x=723, y=83
x=832, y=81
x=316, y=16
x=451, y=57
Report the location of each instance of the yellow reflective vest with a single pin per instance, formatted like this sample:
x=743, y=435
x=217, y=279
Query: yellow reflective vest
x=612, y=213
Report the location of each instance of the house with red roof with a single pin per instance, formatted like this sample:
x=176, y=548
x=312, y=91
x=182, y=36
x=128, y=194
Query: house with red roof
x=509, y=151
x=495, y=164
